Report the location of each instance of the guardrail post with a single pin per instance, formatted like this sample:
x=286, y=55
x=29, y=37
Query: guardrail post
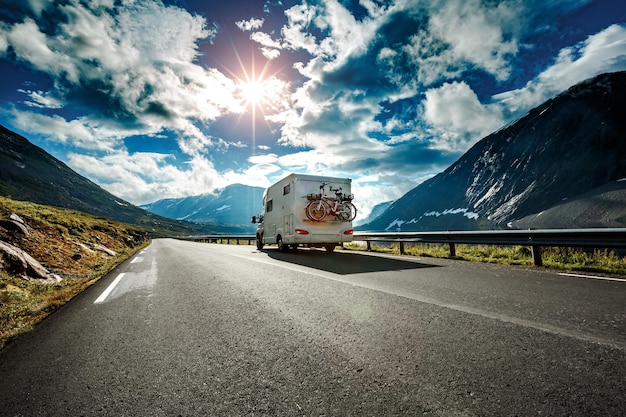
x=536, y=250
x=401, y=248
x=369, y=246
x=452, y=250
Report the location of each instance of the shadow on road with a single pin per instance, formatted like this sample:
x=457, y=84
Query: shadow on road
x=344, y=263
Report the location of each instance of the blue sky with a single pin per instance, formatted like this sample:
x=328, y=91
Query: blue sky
x=157, y=99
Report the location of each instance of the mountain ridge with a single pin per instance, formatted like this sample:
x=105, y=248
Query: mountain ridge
x=234, y=204
x=29, y=173
x=561, y=149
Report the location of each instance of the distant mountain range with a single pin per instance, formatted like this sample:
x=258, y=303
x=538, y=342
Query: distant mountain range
x=563, y=165
x=31, y=174
x=232, y=205
x=378, y=210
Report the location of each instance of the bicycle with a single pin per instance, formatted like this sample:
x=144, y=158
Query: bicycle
x=321, y=206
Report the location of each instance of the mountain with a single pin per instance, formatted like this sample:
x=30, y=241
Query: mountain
x=232, y=205
x=570, y=148
x=31, y=174
x=601, y=207
x=376, y=211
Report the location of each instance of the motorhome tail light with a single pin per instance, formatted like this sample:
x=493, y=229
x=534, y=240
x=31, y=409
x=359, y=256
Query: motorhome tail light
x=348, y=232
x=302, y=232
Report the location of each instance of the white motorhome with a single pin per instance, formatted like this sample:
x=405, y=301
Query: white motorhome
x=306, y=210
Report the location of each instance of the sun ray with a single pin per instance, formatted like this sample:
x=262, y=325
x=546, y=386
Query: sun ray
x=258, y=93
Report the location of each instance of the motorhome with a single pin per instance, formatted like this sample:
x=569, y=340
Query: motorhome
x=306, y=210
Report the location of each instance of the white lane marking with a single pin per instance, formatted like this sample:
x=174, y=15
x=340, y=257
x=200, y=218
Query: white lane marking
x=109, y=289
x=567, y=274
x=137, y=259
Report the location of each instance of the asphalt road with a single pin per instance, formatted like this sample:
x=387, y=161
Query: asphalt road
x=196, y=329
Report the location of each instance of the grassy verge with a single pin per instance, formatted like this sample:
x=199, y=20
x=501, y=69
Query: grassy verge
x=77, y=247
x=566, y=259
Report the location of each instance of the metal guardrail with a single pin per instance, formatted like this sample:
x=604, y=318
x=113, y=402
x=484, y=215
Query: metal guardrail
x=588, y=238
x=220, y=238
x=592, y=238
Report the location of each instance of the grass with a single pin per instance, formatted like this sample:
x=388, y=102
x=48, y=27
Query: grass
x=79, y=248
x=566, y=259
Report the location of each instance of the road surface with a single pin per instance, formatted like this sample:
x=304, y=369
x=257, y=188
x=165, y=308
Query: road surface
x=192, y=329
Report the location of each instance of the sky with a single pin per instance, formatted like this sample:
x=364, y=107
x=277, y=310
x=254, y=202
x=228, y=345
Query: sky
x=155, y=99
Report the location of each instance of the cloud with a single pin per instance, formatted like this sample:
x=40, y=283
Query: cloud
x=42, y=99
x=457, y=117
x=599, y=53
x=476, y=35
x=124, y=71
x=77, y=133
x=269, y=47
x=144, y=177
x=263, y=159
x=249, y=25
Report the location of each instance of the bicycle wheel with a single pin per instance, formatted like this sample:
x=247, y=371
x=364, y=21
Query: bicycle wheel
x=316, y=210
x=346, y=212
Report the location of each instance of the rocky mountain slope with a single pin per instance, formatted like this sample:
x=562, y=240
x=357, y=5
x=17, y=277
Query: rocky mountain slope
x=560, y=151
x=31, y=174
x=232, y=205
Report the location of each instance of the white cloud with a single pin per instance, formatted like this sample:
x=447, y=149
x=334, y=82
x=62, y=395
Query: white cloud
x=599, y=53
x=31, y=45
x=263, y=159
x=269, y=47
x=79, y=133
x=456, y=115
x=295, y=32
x=341, y=118
x=257, y=175
x=146, y=177
x=249, y=25
x=483, y=36
x=42, y=99
x=144, y=70
x=37, y=6
x=345, y=36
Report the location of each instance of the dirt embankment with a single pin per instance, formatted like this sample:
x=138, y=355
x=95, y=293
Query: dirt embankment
x=49, y=254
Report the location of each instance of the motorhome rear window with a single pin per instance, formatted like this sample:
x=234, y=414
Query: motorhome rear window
x=286, y=189
x=270, y=206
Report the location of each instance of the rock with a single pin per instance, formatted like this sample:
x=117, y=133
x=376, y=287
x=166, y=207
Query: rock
x=22, y=263
x=17, y=218
x=14, y=226
x=104, y=249
x=76, y=257
x=84, y=247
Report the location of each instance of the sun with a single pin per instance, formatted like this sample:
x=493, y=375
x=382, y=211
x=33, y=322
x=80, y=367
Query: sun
x=253, y=92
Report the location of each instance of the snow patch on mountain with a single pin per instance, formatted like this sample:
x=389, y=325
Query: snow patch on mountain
x=464, y=211
x=397, y=223
x=509, y=206
x=495, y=188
